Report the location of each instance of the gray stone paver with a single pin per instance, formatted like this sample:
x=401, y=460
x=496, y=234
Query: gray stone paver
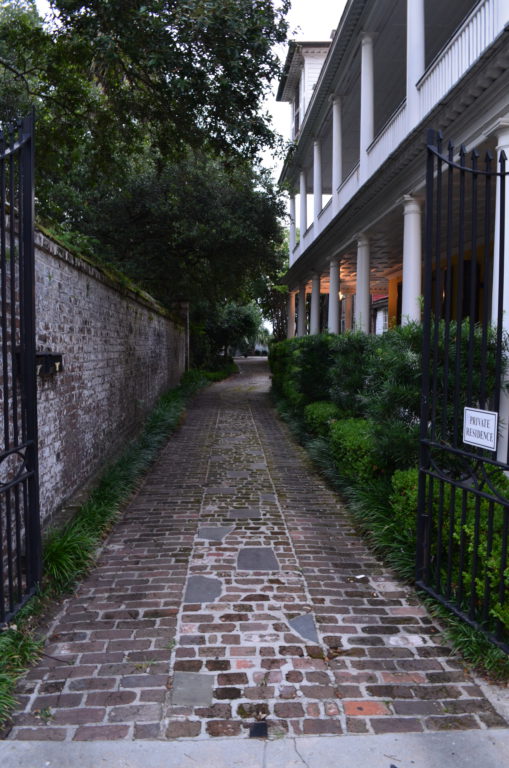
x=121, y=649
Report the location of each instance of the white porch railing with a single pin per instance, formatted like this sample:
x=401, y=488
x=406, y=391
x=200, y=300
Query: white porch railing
x=348, y=188
x=325, y=216
x=392, y=134
x=472, y=39
x=477, y=32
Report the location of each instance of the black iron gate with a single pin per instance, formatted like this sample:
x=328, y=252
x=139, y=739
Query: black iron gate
x=20, y=562
x=463, y=522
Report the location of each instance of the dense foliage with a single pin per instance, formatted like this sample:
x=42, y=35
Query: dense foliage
x=148, y=122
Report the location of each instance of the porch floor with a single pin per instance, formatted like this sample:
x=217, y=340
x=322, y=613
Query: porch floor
x=234, y=594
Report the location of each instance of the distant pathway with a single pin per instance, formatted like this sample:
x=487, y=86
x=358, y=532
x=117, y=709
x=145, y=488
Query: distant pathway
x=234, y=593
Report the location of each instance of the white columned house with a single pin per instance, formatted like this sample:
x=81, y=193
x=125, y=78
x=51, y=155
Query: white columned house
x=333, y=317
x=301, y=317
x=362, y=299
x=415, y=58
x=502, y=133
x=293, y=233
x=412, y=261
x=303, y=194
x=367, y=103
x=314, y=322
x=317, y=180
x=337, y=150
x=390, y=71
x=290, y=332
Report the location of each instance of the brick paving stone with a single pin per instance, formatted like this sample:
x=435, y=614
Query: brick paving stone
x=311, y=634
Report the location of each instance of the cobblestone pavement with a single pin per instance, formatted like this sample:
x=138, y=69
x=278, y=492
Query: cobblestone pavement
x=234, y=595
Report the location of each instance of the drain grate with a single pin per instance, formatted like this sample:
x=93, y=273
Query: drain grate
x=258, y=731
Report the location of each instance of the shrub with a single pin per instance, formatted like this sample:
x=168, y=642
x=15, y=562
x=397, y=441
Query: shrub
x=392, y=397
x=455, y=534
x=350, y=371
x=403, y=503
x=300, y=369
x=352, y=449
x=319, y=416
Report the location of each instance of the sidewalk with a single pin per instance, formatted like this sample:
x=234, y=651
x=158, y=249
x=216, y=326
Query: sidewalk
x=235, y=593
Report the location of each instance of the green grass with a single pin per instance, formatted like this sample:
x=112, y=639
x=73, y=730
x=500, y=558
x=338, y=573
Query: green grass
x=474, y=647
x=69, y=552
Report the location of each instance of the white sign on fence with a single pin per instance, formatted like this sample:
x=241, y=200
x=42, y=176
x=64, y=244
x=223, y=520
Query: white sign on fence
x=480, y=428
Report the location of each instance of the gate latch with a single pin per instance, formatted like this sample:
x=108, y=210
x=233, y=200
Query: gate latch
x=48, y=363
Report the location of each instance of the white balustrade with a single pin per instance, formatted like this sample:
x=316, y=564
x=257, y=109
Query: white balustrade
x=473, y=37
x=349, y=187
x=391, y=135
x=325, y=216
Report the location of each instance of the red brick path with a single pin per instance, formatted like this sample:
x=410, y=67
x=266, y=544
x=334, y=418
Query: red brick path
x=121, y=650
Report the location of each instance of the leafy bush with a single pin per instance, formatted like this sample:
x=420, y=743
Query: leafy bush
x=301, y=367
x=350, y=372
x=352, y=449
x=318, y=417
x=403, y=503
x=459, y=530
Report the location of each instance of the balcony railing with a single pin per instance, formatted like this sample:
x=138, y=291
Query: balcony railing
x=463, y=50
x=391, y=135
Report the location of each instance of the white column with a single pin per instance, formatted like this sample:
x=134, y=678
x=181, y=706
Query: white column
x=314, y=324
x=303, y=219
x=333, y=318
x=415, y=58
x=502, y=146
x=412, y=262
x=301, y=317
x=293, y=232
x=362, y=301
x=337, y=155
x=367, y=103
x=290, y=333
x=503, y=14
x=317, y=180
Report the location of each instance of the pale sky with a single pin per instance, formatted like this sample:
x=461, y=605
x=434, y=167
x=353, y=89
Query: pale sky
x=309, y=20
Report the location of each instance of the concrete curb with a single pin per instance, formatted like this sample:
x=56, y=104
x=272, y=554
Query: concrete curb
x=465, y=749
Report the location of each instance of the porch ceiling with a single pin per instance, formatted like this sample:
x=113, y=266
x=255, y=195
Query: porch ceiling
x=386, y=234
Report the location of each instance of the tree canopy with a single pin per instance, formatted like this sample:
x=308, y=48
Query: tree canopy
x=148, y=122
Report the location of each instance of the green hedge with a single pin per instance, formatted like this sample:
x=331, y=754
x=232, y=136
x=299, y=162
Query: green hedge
x=351, y=442
x=301, y=369
x=318, y=417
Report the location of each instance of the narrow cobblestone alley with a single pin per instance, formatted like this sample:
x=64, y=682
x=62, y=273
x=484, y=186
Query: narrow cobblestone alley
x=234, y=593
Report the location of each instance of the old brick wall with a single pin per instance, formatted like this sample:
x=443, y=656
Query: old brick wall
x=120, y=352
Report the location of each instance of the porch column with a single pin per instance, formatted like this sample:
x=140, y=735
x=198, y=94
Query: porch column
x=314, y=324
x=303, y=219
x=317, y=180
x=415, y=58
x=502, y=146
x=367, y=102
x=293, y=232
x=290, y=332
x=412, y=262
x=301, y=317
x=333, y=319
x=337, y=154
x=362, y=300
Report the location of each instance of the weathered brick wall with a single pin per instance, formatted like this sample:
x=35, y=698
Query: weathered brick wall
x=120, y=352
